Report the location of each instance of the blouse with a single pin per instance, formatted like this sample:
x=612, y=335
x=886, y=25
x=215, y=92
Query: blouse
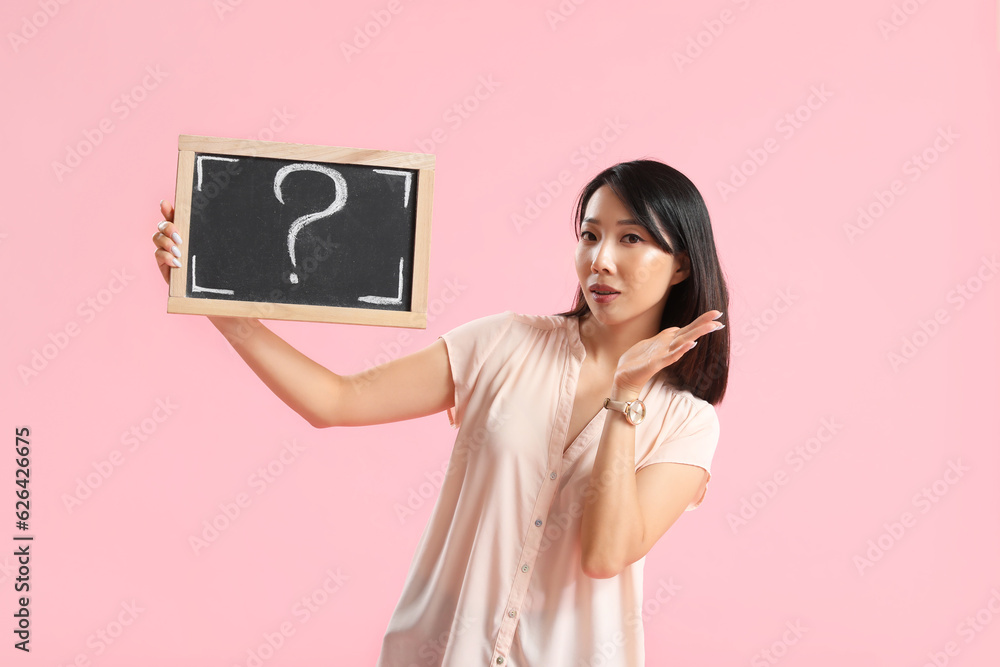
x=496, y=578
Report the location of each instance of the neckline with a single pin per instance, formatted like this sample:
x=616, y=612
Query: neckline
x=584, y=437
x=575, y=340
x=580, y=352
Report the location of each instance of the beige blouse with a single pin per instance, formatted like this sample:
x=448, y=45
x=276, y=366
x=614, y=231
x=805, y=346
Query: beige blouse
x=496, y=578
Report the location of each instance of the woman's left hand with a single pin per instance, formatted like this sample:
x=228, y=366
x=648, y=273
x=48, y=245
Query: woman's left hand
x=647, y=357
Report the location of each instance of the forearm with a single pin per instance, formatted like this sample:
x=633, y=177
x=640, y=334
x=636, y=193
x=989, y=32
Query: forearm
x=304, y=385
x=611, y=524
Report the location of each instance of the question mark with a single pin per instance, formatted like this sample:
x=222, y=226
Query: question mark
x=299, y=223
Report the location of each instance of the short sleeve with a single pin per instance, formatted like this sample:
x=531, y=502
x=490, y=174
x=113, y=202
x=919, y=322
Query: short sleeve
x=468, y=346
x=693, y=443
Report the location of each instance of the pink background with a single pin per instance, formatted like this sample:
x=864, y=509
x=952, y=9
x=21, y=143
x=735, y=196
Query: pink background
x=816, y=316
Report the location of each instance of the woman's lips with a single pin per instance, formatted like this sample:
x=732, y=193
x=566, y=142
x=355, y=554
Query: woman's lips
x=604, y=298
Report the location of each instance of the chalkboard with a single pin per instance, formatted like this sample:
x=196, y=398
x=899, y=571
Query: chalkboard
x=302, y=232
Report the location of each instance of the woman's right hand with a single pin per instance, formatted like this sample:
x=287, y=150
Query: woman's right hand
x=168, y=255
x=166, y=240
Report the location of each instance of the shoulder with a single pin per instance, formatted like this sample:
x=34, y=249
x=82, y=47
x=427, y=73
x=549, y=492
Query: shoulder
x=547, y=335
x=525, y=322
x=541, y=322
x=681, y=409
x=511, y=333
x=662, y=389
x=482, y=324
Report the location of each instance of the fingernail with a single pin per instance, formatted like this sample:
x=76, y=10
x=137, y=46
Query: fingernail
x=173, y=249
x=721, y=326
x=162, y=225
x=693, y=344
x=176, y=237
x=718, y=316
x=161, y=203
x=177, y=262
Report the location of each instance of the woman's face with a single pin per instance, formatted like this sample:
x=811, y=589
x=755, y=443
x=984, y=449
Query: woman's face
x=626, y=259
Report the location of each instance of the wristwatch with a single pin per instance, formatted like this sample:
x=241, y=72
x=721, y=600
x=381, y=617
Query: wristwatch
x=634, y=410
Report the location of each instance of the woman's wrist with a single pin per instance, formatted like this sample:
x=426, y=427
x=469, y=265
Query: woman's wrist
x=622, y=390
x=235, y=329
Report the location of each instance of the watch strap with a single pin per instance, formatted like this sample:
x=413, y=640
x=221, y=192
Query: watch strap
x=615, y=405
x=624, y=408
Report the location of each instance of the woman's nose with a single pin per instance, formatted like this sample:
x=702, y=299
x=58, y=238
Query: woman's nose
x=604, y=259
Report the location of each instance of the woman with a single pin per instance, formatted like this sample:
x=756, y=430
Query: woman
x=533, y=553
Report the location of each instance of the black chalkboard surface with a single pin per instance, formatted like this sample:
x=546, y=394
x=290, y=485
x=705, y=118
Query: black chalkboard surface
x=303, y=232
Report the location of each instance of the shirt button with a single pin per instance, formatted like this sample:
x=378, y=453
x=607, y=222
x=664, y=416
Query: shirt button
x=512, y=613
x=524, y=568
x=552, y=475
x=538, y=522
x=500, y=660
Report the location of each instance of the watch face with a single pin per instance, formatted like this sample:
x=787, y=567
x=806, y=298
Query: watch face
x=635, y=411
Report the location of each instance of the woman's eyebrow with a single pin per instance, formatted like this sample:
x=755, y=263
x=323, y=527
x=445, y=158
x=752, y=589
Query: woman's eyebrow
x=627, y=222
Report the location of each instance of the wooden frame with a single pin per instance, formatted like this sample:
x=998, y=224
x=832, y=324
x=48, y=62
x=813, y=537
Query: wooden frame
x=416, y=317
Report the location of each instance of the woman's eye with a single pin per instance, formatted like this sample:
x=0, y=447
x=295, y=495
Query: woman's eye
x=631, y=239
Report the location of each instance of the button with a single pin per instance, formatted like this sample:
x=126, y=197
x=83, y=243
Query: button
x=552, y=475
x=538, y=522
x=500, y=660
x=512, y=613
x=524, y=568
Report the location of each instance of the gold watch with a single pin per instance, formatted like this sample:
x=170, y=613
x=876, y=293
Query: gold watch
x=634, y=410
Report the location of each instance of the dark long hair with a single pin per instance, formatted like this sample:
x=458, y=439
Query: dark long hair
x=669, y=206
